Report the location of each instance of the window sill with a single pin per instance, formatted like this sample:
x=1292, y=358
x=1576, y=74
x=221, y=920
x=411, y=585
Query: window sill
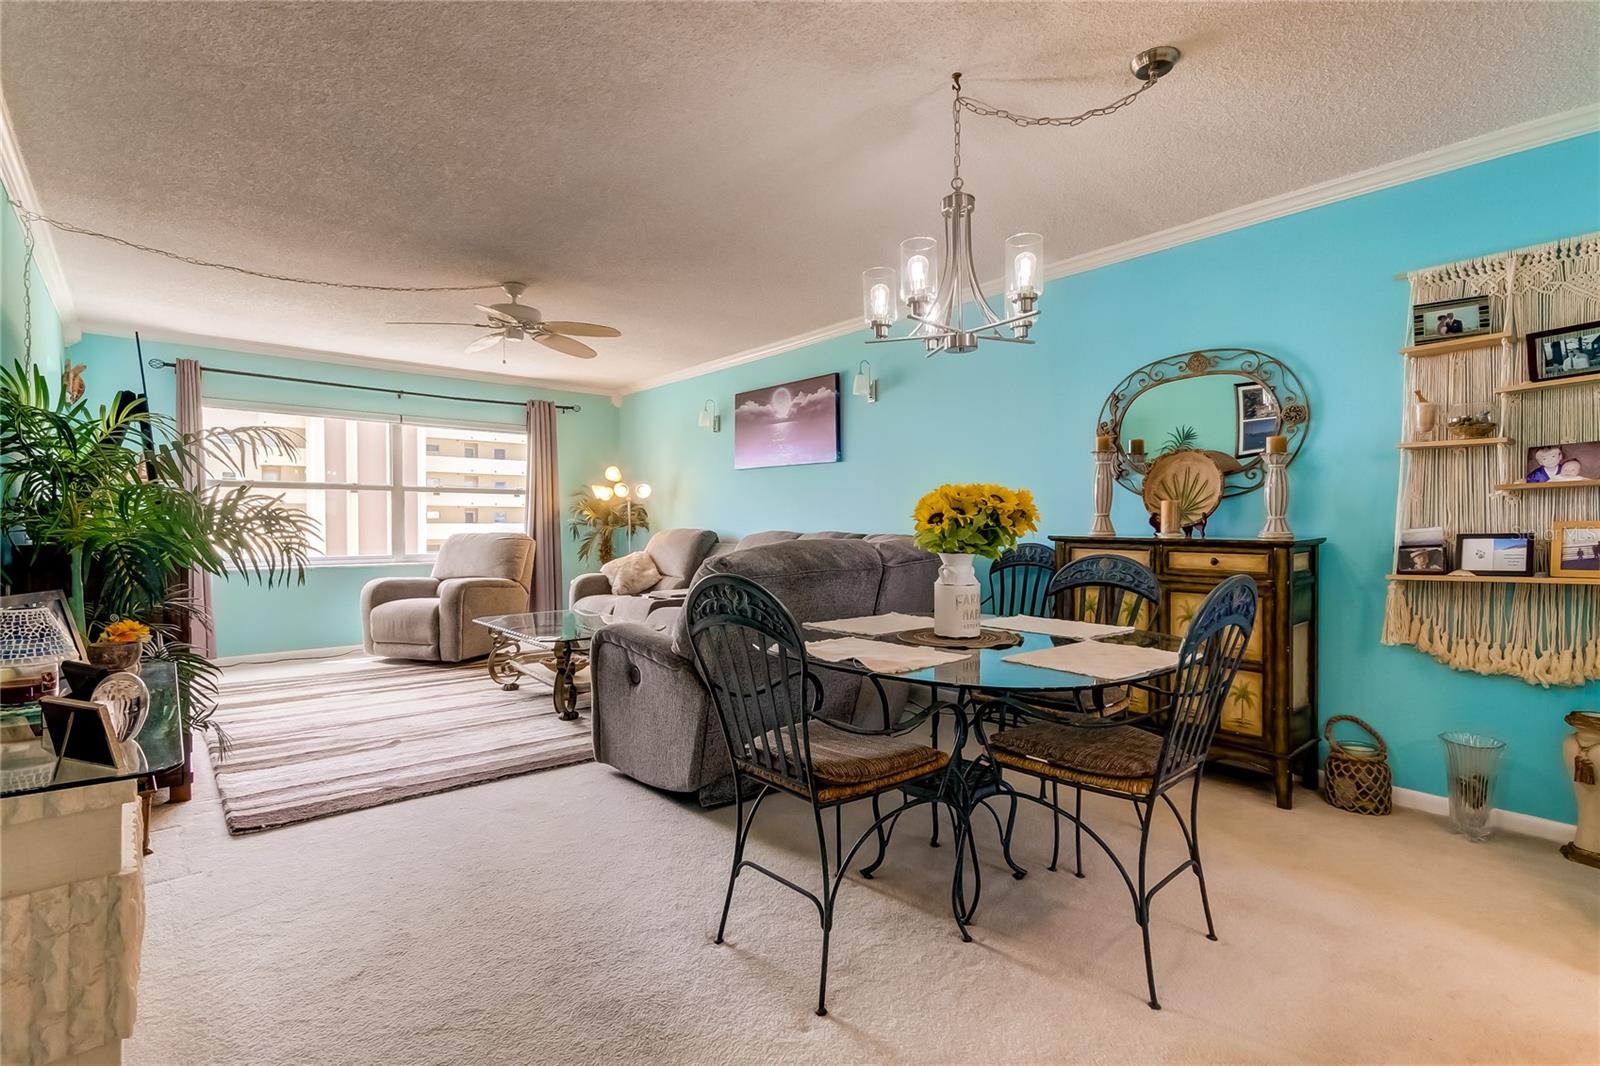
x=376, y=561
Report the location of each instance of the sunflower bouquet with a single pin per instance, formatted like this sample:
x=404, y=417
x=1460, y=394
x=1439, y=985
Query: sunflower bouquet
x=974, y=519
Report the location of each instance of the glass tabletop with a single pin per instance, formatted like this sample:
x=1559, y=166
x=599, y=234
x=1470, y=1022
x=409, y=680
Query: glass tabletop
x=543, y=625
x=31, y=766
x=988, y=669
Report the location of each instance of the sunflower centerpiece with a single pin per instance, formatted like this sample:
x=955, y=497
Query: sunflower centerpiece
x=960, y=522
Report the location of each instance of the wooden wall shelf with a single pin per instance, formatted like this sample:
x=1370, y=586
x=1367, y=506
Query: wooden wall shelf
x=1482, y=579
x=1554, y=383
x=1460, y=344
x=1464, y=442
x=1540, y=486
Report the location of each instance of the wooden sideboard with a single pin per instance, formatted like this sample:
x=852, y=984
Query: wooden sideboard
x=1269, y=721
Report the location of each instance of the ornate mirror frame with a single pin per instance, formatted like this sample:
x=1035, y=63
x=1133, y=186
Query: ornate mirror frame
x=1247, y=363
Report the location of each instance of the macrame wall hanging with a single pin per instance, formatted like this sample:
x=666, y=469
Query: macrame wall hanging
x=1545, y=630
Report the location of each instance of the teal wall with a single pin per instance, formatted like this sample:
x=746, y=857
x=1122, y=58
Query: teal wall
x=46, y=323
x=324, y=611
x=1315, y=289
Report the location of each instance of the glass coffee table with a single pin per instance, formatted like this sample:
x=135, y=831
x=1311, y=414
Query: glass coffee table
x=557, y=641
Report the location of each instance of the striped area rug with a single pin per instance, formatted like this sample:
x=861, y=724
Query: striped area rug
x=314, y=738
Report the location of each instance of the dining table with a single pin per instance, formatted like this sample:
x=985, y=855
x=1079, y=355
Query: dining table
x=974, y=686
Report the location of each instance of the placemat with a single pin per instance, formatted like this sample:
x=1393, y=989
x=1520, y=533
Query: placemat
x=1057, y=627
x=986, y=638
x=874, y=625
x=1107, y=662
x=879, y=655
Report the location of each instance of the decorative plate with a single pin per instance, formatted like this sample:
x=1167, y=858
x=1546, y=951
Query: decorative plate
x=1190, y=477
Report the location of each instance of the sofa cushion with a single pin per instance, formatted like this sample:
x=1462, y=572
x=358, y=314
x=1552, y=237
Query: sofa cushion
x=769, y=536
x=506, y=555
x=413, y=621
x=679, y=552
x=631, y=574
x=908, y=574
x=597, y=606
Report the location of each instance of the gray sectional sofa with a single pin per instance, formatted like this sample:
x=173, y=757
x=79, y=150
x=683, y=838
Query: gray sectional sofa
x=653, y=720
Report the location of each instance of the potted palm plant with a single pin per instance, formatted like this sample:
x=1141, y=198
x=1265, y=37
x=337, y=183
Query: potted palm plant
x=118, y=529
x=596, y=523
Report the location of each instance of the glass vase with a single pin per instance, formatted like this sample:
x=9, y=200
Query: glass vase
x=1472, y=764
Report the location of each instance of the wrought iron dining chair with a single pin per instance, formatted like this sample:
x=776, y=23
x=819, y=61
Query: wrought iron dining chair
x=1019, y=581
x=750, y=655
x=1127, y=762
x=1106, y=590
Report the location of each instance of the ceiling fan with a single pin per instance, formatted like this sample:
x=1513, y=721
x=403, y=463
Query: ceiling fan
x=515, y=322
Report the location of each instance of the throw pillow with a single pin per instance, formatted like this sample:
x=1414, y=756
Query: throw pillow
x=631, y=574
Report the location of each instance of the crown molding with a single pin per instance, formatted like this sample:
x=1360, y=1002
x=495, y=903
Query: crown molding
x=316, y=355
x=14, y=173
x=1480, y=149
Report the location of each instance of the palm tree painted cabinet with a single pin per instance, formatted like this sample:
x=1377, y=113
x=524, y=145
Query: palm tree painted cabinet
x=1269, y=722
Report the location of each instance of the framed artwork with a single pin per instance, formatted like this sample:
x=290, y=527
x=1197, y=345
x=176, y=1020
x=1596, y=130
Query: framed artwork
x=1575, y=550
x=1568, y=352
x=1445, y=320
x=792, y=424
x=1495, y=554
x=1421, y=559
x=1578, y=461
x=1256, y=409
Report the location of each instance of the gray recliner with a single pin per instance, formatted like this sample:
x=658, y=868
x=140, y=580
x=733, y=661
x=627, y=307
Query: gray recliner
x=475, y=574
x=653, y=719
x=677, y=553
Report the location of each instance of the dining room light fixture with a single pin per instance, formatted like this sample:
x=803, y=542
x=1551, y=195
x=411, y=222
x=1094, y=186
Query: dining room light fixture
x=935, y=289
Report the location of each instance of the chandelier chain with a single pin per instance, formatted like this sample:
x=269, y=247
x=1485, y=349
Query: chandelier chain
x=28, y=216
x=978, y=107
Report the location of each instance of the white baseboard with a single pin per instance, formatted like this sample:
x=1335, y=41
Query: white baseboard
x=1510, y=821
x=282, y=656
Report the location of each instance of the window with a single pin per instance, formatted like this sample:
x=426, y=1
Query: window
x=379, y=489
x=499, y=453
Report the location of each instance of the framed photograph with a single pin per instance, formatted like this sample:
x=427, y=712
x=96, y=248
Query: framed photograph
x=1578, y=461
x=1495, y=554
x=1575, y=550
x=1421, y=559
x=1256, y=412
x=787, y=425
x=1446, y=320
x=1569, y=352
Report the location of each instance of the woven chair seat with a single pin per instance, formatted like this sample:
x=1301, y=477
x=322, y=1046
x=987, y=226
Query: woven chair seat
x=1116, y=758
x=846, y=765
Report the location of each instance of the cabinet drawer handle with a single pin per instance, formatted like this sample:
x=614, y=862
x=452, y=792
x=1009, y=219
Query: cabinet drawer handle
x=1214, y=561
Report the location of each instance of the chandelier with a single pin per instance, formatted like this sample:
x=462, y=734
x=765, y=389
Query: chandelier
x=934, y=295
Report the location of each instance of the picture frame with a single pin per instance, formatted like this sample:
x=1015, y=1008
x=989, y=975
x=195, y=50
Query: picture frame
x=1444, y=320
x=1575, y=550
x=1421, y=559
x=1256, y=418
x=1495, y=554
x=792, y=424
x=1567, y=352
x=1573, y=461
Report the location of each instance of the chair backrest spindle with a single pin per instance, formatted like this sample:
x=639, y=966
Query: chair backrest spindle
x=1106, y=589
x=1207, y=663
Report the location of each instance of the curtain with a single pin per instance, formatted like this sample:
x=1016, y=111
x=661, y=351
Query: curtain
x=202, y=630
x=544, y=507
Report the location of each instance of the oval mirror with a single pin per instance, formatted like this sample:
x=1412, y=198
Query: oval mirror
x=1224, y=402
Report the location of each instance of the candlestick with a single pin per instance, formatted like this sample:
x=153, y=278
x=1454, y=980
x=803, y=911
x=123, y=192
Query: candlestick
x=1275, y=491
x=1277, y=444
x=1104, y=454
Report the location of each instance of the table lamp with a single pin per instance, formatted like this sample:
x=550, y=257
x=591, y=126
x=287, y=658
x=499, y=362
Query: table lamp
x=33, y=641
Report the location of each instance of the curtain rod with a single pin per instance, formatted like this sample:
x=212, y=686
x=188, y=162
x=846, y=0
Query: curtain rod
x=159, y=364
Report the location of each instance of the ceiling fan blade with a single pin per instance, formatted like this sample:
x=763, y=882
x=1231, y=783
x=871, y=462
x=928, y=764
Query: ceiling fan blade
x=566, y=345
x=478, y=325
x=500, y=318
x=582, y=329
x=518, y=313
x=488, y=340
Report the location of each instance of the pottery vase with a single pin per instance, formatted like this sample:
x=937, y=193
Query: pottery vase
x=1584, y=744
x=956, y=597
x=116, y=656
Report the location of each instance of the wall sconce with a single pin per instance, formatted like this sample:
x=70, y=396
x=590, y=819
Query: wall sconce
x=865, y=384
x=709, y=419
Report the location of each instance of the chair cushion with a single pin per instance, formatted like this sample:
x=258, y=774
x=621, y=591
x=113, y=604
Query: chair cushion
x=846, y=764
x=505, y=555
x=631, y=574
x=1119, y=758
x=414, y=621
x=679, y=552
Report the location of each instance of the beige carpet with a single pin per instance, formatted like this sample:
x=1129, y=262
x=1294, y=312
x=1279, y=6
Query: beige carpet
x=568, y=917
x=312, y=738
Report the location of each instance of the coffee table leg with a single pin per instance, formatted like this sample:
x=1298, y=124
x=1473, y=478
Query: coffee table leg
x=566, y=693
x=502, y=653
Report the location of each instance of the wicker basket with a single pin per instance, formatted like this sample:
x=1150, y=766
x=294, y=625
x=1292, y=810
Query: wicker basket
x=1356, y=776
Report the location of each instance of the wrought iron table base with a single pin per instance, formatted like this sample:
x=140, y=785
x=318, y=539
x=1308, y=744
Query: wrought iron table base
x=509, y=660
